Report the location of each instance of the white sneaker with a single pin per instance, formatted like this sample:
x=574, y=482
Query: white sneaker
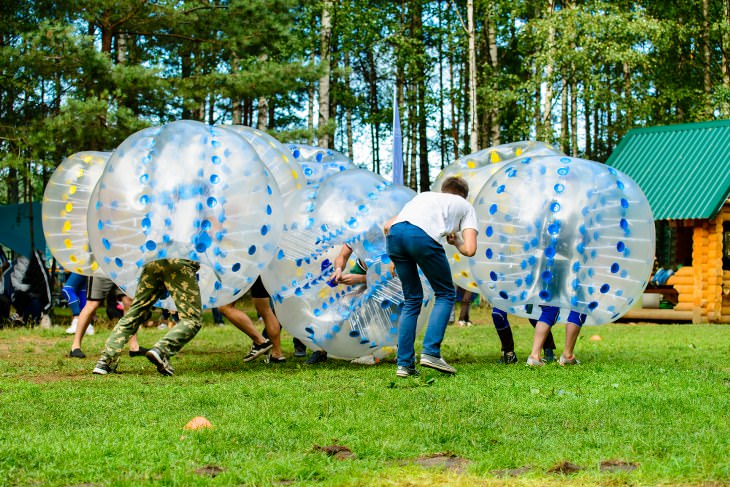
x=72, y=329
x=365, y=360
x=437, y=363
x=90, y=330
x=46, y=322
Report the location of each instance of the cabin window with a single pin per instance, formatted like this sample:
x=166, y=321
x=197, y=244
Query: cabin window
x=726, y=246
x=683, y=245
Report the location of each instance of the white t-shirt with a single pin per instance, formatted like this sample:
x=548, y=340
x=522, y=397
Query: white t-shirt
x=438, y=214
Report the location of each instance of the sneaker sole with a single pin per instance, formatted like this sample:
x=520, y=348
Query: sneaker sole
x=99, y=371
x=430, y=365
x=257, y=353
x=157, y=361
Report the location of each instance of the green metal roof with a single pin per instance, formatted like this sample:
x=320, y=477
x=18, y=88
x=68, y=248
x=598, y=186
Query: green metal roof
x=684, y=170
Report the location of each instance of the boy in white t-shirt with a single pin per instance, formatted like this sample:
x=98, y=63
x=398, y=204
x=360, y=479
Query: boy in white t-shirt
x=415, y=240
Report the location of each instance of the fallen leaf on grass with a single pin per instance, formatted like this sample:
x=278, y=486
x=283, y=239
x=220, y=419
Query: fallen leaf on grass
x=340, y=452
x=198, y=422
x=209, y=470
x=565, y=468
x=618, y=466
x=511, y=472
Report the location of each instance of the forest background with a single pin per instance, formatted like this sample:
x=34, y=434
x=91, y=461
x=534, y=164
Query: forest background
x=81, y=75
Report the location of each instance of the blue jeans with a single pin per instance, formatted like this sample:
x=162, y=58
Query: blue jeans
x=409, y=248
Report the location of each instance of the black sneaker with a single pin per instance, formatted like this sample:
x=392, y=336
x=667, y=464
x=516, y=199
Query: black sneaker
x=160, y=360
x=77, y=353
x=508, y=358
x=549, y=356
x=317, y=357
x=102, y=368
x=139, y=353
x=300, y=349
x=258, y=350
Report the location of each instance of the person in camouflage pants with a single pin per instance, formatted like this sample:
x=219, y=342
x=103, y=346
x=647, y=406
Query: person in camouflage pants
x=178, y=276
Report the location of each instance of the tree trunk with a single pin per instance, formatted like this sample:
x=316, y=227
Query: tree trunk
x=442, y=128
x=236, y=108
x=707, y=58
x=424, y=180
x=547, y=102
x=725, y=48
x=348, y=108
x=262, y=113
x=564, y=135
x=454, y=105
x=494, y=118
x=573, y=118
x=324, y=81
x=587, y=109
x=473, y=116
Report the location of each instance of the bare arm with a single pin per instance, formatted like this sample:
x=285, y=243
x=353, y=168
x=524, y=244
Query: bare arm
x=466, y=243
x=341, y=260
x=388, y=224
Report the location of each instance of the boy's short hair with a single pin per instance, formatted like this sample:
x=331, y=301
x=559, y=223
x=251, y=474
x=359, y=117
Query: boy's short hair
x=456, y=186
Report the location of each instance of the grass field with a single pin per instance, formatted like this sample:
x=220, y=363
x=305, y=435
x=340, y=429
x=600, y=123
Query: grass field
x=649, y=405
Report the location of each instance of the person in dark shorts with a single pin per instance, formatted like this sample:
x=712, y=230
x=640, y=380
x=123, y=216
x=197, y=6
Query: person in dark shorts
x=269, y=345
x=98, y=289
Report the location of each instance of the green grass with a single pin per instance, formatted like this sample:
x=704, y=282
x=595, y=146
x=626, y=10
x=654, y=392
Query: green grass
x=653, y=396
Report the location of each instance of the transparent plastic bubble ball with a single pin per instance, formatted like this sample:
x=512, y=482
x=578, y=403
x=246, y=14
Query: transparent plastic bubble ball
x=65, y=205
x=191, y=191
x=285, y=169
x=563, y=232
x=476, y=169
x=346, y=321
x=317, y=163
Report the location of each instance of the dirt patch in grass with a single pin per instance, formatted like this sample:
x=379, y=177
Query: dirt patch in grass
x=511, y=472
x=48, y=378
x=618, y=466
x=35, y=341
x=210, y=470
x=565, y=468
x=445, y=460
x=340, y=452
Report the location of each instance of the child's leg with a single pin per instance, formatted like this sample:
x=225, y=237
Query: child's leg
x=572, y=330
x=542, y=329
x=504, y=331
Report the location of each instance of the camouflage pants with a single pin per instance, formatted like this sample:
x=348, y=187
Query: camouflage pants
x=178, y=276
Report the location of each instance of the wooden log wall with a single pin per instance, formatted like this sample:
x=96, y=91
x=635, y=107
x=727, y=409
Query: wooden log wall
x=684, y=282
x=725, y=318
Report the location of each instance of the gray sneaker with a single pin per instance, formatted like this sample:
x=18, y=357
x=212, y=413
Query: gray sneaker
x=565, y=361
x=437, y=363
x=531, y=362
x=404, y=371
x=158, y=358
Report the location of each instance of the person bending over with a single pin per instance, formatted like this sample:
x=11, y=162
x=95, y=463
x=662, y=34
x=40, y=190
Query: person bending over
x=415, y=239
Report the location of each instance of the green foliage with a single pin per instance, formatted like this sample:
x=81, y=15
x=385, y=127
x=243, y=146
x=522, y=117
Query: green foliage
x=651, y=397
x=83, y=74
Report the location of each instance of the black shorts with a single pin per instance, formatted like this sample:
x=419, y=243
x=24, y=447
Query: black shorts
x=258, y=290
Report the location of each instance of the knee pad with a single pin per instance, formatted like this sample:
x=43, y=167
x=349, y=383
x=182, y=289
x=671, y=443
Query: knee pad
x=500, y=319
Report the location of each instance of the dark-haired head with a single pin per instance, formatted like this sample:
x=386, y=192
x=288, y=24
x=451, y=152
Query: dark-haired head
x=455, y=186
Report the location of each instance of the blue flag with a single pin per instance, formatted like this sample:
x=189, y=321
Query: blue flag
x=397, y=145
